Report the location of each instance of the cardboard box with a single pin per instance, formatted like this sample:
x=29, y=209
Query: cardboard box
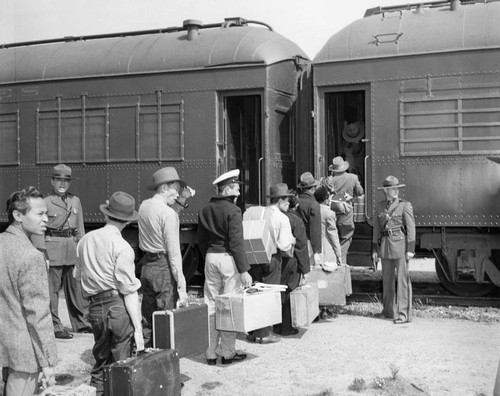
x=259, y=245
x=244, y=312
x=184, y=329
x=332, y=286
x=304, y=304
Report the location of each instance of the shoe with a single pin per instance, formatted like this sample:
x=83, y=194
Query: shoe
x=86, y=330
x=316, y=319
x=400, y=321
x=331, y=314
x=381, y=315
x=236, y=358
x=63, y=335
x=270, y=339
x=290, y=332
x=211, y=362
x=251, y=338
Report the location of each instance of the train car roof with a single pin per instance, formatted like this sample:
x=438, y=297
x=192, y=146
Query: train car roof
x=441, y=26
x=226, y=45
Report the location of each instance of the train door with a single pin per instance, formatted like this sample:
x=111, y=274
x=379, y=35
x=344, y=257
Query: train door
x=240, y=144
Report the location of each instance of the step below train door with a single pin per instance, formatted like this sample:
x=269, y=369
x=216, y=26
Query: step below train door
x=240, y=144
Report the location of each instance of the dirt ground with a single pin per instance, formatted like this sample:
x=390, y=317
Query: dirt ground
x=335, y=357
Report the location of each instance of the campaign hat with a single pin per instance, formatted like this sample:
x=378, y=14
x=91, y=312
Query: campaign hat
x=165, y=175
x=62, y=171
x=338, y=165
x=227, y=178
x=391, y=181
x=120, y=206
x=279, y=190
x=307, y=180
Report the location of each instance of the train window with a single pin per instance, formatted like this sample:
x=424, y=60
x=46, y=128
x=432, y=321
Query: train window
x=283, y=138
x=9, y=136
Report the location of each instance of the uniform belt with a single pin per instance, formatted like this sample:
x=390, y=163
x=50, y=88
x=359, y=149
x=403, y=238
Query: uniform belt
x=67, y=233
x=154, y=256
x=391, y=231
x=102, y=295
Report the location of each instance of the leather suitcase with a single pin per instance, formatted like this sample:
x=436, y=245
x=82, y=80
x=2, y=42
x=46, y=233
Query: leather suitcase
x=333, y=286
x=184, y=329
x=304, y=305
x=153, y=373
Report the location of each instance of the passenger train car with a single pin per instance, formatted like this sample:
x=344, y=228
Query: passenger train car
x=412, y=91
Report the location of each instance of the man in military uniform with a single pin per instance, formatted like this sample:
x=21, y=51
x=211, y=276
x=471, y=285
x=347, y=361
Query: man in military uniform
x=394, y=242
x=64, y=230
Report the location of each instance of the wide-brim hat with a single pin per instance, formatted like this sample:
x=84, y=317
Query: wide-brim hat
x=307, y=180
x=495, y=159
x=120, y=206
x=62, y=171
x=391, y=182
x=165, y=175
x=353, y=132
x=280, y=190
x=227, y=178
x=338, y=165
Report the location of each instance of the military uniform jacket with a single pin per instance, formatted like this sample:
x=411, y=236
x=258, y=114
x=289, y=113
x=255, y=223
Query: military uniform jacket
x=63, y=216
x=400, y=225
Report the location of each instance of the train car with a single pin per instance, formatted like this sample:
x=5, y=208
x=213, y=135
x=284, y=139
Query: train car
x=413, y=91
x=202, y=98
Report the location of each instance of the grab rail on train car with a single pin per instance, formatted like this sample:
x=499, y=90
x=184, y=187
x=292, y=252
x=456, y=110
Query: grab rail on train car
x=259, y=169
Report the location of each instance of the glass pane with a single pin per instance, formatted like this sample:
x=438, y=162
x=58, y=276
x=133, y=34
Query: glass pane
x=48, y=140
x=8, y=137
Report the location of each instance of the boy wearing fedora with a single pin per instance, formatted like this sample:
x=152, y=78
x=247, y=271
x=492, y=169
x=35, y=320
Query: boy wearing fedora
x=220, y=239
x=345, y=186
x=281, y=233
x=106, y=271
x=394, y=242
x=163, y=282
x=64, y=229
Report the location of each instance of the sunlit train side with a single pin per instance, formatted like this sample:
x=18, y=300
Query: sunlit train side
x=201, y=98
x=423, y=83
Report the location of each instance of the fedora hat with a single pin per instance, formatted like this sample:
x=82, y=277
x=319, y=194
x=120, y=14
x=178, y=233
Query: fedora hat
x=62, y=171
x=353, y=132
x=163, y=176
x=338, y=165
x=279, y=190
x=390, y=181
x=307, y=180
x=120, y=206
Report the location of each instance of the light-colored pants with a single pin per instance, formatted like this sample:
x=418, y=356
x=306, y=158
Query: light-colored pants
x=221, y=277
x=399, y=307
x=20, y=383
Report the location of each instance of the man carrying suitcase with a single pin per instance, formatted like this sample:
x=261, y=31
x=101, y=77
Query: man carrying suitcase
x=220, y=238
x=107, y=274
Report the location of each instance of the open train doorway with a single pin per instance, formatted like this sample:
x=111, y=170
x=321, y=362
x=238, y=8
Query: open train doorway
x=345, y=130
x=240, y=146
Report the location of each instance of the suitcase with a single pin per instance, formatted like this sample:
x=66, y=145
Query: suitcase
x=333, y=286
x=304, y=305
x=244, y=312
x=184, y=329
x=153, y=373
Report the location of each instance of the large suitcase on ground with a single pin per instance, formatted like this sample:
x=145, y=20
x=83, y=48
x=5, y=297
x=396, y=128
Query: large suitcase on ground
x=244, y=312
x=333, y=286
x=184, y=329
x=154, y=373
x=304, y=305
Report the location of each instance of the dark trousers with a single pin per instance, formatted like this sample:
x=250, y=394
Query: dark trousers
x=270, y=274
x=61, y=278
x=345, y=227
x=113, y=334
x=159, y=293
x=290, y=277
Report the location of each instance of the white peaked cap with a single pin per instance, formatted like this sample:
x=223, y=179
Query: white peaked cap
x=228, y=177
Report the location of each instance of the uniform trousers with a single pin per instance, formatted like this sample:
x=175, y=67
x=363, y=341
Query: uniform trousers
x=270, y=274
x=345, y=227
x=396, y=305
x=20, y=383
x=221, y=277
x=290, y=277
x=159, y=293
x=61, y=278
x=496, y=389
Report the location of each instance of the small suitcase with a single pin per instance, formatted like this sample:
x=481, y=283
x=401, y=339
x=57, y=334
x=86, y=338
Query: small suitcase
x=154, y=373
x=333, y=286
x=304, y=305
x=184, y=329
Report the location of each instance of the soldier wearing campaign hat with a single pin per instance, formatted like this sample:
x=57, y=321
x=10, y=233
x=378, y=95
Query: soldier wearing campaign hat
x=64, y=229
x=163, y=282
x=220, y=239
x=394, y=242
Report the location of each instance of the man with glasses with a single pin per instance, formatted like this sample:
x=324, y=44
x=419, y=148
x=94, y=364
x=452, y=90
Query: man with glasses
x=163, y=283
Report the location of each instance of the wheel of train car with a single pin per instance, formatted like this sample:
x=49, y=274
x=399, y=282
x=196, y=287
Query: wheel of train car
x=460, y=288
x=190, y=260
